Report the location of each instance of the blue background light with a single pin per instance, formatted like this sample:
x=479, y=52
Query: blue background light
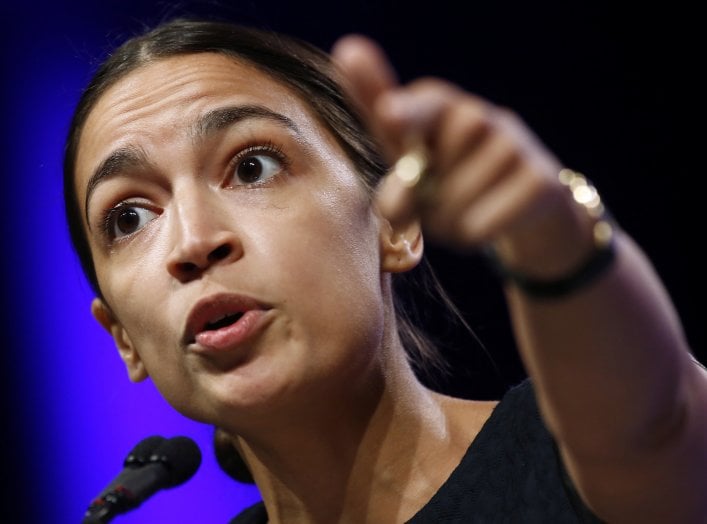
x=605, y=89
x=76, y=415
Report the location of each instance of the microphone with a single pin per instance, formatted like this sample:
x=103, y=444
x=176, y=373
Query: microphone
x=153, y=464
x=138, y=457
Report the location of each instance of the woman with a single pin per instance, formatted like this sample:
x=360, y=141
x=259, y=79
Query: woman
x=235, y=223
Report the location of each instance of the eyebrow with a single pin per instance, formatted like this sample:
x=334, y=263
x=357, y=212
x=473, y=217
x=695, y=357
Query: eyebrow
x=130, y=157
x=223, y=117
x=118, y=161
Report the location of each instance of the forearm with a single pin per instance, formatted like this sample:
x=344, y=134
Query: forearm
x=614, y=377
x=613, y=349
x=617, y=386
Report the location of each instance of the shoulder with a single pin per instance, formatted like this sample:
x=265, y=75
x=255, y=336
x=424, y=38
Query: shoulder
x=471, y=416
x=467, y=417
x=511, y=469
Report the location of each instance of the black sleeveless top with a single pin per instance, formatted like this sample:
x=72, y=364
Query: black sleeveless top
x=510, y=474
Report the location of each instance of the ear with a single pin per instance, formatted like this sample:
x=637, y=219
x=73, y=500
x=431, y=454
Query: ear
x=131, y=358
x=401, y=246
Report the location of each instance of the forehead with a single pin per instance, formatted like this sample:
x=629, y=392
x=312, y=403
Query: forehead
x=161, y=101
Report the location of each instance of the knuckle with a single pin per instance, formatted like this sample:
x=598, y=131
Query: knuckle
x=506, y=149
x=471, y=119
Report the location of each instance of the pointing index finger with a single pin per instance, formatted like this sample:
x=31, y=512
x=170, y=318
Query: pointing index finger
x=366, y=72
x=368, y=77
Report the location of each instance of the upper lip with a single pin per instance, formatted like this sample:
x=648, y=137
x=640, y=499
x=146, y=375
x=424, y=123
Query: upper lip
x=214, y=307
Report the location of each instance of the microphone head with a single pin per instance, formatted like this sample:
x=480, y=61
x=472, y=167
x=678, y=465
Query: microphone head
x=142, y=451
x=154, y=463
x=181, y=457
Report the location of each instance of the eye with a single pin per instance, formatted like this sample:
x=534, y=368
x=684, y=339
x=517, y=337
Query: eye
x=125, y=219
x=254, y=168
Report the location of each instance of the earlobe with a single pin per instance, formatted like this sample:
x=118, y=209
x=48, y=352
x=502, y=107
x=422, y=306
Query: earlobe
x=102, y=313
x=402, y=246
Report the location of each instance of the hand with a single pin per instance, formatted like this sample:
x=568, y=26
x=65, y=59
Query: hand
x=494, y=182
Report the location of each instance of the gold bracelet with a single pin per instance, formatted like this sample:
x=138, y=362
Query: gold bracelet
x=586, y=195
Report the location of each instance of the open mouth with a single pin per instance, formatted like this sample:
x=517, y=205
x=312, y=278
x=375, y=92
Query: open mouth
x=222, y=321
x=226, y=320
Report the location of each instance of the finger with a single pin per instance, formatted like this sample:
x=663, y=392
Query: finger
x=395, y=201
x=515, y=202
x=410, y=117
x=365, y=70
x=370, y=81
x=486, y=164
x=465, y=126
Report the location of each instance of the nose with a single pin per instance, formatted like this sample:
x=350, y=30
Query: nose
x=202, y=238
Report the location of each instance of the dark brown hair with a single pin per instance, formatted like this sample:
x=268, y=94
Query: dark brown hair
x=299, y=65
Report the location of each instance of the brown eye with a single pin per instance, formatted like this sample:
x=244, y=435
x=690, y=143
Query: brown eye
x=250, y=170
x=256, y=169
x=126, y=220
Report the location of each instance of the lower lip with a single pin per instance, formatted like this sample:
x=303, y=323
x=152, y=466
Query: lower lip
x=230, y=337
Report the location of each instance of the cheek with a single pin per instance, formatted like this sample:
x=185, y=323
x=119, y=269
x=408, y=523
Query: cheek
x=332, y=257
x=138, y=296
x=145, y=313
x=133, y=276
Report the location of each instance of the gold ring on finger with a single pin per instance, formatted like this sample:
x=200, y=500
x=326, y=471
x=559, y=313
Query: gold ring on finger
x=411, y=168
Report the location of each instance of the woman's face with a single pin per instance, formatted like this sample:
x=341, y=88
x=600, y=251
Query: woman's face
x=237, y=252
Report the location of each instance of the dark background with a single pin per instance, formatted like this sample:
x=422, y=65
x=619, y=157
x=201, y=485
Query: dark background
x=613, y=91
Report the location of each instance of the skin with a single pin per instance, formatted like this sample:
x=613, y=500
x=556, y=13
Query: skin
x=307, y=243
x=634, y=447
x=189, y=184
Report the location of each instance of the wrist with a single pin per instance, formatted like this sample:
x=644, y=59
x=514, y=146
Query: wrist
x=564, y=255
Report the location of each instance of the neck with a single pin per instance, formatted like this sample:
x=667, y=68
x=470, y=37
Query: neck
x=375, y=453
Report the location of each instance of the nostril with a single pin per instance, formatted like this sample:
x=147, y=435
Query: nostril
x=220, y=253
x=187, y=267
x=189, y=263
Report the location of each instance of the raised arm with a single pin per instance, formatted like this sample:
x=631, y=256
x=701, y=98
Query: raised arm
x=616, y=382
